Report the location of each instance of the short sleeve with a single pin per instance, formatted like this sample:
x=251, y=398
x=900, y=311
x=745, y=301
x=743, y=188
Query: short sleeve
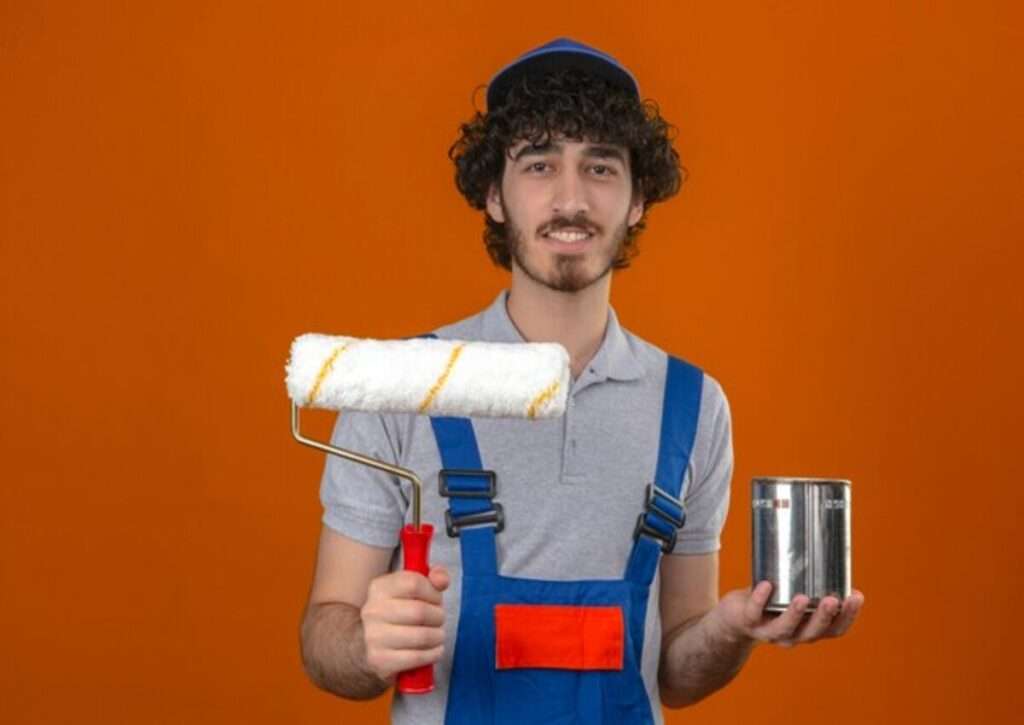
x=709, y=475
x=361, y=502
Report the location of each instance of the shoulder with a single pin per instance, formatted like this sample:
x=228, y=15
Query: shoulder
x=468, y=328
x=714, y=403
x=651, y=357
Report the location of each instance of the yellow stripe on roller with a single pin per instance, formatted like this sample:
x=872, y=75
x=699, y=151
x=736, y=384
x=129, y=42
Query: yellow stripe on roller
x=436, y=387
x=545, y=395
x=325, y=370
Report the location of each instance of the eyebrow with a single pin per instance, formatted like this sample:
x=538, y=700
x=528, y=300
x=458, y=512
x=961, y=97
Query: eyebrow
x=596, y=151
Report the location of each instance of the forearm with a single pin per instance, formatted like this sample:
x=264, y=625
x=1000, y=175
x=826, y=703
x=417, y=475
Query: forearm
x=699, y=657
x=334, y=652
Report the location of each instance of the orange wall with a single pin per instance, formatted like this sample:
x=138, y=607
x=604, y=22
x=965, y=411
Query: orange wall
x=185, y=187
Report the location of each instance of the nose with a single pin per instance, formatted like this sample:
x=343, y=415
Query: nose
x=570, y=194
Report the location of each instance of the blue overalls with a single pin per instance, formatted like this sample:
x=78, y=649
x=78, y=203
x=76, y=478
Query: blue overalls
x=485, y=689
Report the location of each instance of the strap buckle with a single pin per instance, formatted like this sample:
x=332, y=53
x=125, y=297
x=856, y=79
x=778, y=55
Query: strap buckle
x=454, y=524
x=652, y=496
x=447, y=492
x=668, y=541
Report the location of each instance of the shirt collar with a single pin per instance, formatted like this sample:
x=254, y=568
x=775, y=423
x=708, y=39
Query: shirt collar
x=614, y=360
x=497, y=325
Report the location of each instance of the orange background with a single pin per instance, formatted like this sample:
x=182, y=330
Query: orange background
x=185, y=187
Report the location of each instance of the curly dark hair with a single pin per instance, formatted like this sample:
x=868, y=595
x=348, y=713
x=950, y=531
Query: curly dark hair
x=577, y=106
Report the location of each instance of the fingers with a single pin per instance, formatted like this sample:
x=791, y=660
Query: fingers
x=744, y=611
x=405, y=598
x=396, y=637
x=410, y=612
x=753, y=611
x=816, y=626
x=403, y=621
x=830, y=619
x=847, y=614
x=407, y=585
x=439, y=578
x=781, y=630
x=387, y=663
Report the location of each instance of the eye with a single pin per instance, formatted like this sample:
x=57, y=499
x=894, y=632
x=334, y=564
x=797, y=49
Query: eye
x=603, y=170
x=537, y=166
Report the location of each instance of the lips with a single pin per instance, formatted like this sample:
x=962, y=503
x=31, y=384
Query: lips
x=568, y=235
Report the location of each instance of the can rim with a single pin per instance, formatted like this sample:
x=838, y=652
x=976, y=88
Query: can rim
x=798, y=479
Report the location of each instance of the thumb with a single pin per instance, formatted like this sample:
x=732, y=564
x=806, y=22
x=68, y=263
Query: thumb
x=439, y=577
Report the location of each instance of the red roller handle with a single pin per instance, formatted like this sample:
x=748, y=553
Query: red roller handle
x=415, y=557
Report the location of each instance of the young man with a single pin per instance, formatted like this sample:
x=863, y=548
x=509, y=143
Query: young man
x=561, y=607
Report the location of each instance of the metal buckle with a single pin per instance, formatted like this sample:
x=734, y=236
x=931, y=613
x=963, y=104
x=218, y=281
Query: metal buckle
x=653, y=493
x=668, y=542
x=651, y=496
x=446, y=492
x=454, y=524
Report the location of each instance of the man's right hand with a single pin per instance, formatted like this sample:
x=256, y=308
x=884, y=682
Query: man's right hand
x=403, y=621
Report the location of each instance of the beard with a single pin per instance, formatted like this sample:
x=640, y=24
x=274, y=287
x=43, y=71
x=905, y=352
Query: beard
x=570, y=270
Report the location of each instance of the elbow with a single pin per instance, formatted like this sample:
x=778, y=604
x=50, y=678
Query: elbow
x=314, y=671
x=691, y=691
x=315, y=660
x=327, y=663
x=678, y=699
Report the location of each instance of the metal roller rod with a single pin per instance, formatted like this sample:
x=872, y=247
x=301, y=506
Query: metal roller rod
x=417, y=485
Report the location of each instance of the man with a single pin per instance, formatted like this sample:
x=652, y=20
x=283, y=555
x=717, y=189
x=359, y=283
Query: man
x=561, y=606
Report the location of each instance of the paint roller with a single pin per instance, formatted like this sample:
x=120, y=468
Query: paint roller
x=424, y=376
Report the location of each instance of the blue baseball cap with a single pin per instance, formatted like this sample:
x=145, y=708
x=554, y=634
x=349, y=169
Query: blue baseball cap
x=556, y=55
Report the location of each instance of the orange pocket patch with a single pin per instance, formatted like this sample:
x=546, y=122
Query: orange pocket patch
x=559, y=637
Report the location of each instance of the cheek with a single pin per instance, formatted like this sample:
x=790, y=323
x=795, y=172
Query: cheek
x=524, y=215
x=615, y=204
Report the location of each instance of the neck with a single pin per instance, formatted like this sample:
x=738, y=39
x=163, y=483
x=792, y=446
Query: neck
x=576, y=320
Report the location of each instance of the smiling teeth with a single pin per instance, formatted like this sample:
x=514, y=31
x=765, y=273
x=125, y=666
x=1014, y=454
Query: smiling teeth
x=568, y=236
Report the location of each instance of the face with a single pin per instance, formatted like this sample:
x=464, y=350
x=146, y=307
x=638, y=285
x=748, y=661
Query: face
x=566, y=206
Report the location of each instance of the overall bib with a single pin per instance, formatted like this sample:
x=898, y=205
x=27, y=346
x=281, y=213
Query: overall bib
x=557, y=652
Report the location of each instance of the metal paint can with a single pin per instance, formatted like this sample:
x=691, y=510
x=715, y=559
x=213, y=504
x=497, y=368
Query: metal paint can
x=801, y=538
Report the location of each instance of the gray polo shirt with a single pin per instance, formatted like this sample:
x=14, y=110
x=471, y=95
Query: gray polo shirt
x=571, y=487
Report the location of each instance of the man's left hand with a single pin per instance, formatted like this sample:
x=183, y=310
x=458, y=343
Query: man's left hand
x=741, y=614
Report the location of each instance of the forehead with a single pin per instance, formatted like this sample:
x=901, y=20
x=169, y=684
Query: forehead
x=560, y=145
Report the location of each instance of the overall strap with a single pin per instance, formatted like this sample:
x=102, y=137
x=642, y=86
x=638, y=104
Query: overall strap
x=470, y=490
x=663, y=514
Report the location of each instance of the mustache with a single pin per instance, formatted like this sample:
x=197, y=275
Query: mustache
x=578, y=222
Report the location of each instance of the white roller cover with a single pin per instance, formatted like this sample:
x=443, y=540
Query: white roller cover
x=429, y=376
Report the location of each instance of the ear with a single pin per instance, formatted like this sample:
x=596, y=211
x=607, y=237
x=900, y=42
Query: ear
x=494, y=209
x=636, y=210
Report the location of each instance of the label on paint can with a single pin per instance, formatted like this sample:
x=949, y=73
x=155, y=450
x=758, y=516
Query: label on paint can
x=770, y=503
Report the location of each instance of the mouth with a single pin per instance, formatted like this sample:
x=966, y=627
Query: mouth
x=569, y=239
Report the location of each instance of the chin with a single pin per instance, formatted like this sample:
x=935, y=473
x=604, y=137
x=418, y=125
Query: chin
x=576, y=281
